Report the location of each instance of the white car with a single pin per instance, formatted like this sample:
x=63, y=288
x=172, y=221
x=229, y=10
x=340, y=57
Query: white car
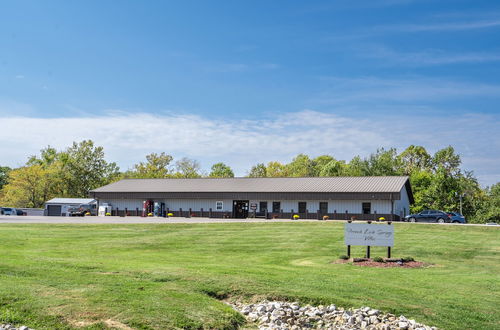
x=9, y=211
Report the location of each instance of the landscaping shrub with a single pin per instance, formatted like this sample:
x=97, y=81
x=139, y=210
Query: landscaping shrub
x=378, y=259
x=343, y=257
x=407, y=259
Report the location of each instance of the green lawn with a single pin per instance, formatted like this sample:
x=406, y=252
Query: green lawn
x=170, y=276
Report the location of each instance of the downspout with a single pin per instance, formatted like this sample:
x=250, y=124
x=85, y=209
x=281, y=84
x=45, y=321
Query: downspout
x=392, y=207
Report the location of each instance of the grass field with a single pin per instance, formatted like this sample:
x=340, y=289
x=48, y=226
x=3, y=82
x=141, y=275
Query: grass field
x=170, y=276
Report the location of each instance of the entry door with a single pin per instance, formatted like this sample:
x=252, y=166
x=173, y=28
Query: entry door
x=240, y=209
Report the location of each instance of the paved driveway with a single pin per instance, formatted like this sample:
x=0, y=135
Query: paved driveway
x=120, y=220
x=131, y=220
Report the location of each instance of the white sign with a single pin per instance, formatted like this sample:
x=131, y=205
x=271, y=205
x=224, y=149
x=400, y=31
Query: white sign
x=368, y=234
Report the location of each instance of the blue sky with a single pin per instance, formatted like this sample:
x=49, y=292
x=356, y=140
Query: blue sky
x=251, y=81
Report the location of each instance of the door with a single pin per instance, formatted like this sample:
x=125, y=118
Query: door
x=367, y=208
x=323, y=207
x=54, y=210
x=423, y=216
x=276, y=207
x=240, y=209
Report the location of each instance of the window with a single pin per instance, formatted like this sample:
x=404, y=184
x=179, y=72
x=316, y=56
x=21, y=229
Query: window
x=323, y=207
x=263, y=206
x=276, y=207
x=302, y=207
x=367, y=208
x=219, y=206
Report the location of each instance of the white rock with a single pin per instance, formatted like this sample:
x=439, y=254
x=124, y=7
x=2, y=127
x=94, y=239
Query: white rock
x=403, y=325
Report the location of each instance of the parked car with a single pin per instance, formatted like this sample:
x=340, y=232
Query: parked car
x=429, y=216
x=19, y=212
x=81, y=210
x=9, y=211
x=457, y=217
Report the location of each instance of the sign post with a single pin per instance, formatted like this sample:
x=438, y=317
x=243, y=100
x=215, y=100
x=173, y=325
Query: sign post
x=367, y=234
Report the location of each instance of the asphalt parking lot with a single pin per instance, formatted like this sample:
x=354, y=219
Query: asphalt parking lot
x=157, y=220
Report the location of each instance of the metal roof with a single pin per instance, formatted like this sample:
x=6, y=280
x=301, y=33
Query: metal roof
x=381, y=184
x=70, y=201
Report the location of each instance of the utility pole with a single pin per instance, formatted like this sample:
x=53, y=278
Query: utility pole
x=460, y=196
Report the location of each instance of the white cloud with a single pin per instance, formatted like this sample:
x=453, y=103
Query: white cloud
x=127, y=138
x=349, y=91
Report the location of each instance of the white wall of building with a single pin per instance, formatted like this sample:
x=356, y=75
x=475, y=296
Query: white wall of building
x=402, y=205
x=340, y=206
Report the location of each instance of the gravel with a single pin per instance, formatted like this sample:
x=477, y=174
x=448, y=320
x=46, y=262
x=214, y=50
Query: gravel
x=285, y=315
x=12, y=327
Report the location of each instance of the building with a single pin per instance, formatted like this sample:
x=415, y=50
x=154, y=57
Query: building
x=310, y=198
x=60, y=206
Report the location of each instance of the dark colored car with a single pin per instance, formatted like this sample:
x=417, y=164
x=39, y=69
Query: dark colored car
x=457, y=217
x=82, y=210
x=429, y=216
x=19, y=212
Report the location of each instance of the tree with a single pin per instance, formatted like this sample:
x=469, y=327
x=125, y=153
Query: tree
x=87, y=169
x=155, y=167
x=357, y=167
x=30, y=186
x=276, y=170
x=447, y=160
x=414, y=158
x=48, y=156
x=334, y=168
x=490, y=209
x=300, y=166
x=320, y=162
x=4, y=175
x=420, y=183
x=382, y=162
x=221, y=170
x=258, y=171
x=187, y=168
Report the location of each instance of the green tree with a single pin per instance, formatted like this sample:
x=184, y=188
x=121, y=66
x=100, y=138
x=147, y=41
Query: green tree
x=300, y=166
x=187, y=168
x=86, y=168
x=47, y=157
x=320, y=162
x=155, y=167
x=30, y=186
x=490, y=209
x=382, y=162
x=257, y=171
x=334, y=168
x=4, y=175
x=221, y=170
x=357, y=167
x=414, y=158
x=447, y=160
x=276, y=170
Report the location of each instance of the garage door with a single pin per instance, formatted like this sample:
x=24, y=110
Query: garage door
x=54, y=210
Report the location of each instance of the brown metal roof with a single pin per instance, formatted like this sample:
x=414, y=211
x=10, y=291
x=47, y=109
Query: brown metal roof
x=381, y=184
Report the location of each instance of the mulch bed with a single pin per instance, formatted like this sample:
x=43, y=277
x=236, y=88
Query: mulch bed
x=409, y=264
x=370, y=263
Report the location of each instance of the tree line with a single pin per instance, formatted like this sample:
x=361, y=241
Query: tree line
x=437, y=180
